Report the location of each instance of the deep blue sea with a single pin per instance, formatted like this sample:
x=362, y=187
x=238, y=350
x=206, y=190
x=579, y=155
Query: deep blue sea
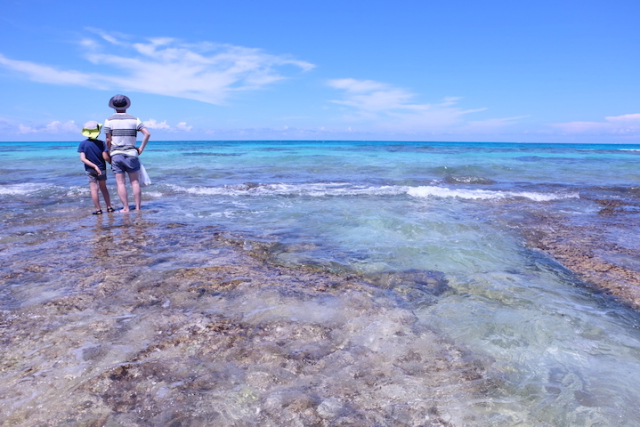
x=566, y=355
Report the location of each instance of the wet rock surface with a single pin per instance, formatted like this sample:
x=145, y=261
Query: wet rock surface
x=131, y=324
x=604, y=252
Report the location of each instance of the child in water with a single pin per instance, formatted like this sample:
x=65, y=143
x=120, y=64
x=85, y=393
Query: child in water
x=94, y=155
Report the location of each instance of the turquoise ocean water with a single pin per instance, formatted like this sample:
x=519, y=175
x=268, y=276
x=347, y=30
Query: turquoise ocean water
x=567, y=355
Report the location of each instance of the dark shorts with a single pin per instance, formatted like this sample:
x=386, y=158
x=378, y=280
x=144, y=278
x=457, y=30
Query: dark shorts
x=93, y=176
x=121, y=164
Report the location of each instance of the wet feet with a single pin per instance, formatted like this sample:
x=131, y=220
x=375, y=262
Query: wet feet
x=98, y=212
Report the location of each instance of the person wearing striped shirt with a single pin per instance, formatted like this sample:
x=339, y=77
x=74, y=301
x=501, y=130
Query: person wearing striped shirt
x=121, y=131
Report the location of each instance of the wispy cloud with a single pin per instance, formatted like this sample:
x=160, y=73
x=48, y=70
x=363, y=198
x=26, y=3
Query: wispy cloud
x=55, y=127
x=204, y=71
x=624, y=125
x=371, y=96
x=47, y=74
x=154, y=124
x=69, y=128
x=394, y=108
x=163, y=125
x=11, y=128
x=184, y=126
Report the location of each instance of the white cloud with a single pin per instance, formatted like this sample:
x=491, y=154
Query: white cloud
x=625, y=118
x=154, y=124
x=69, y=128
x=46, y=74
x=206, y=72
x=356, y=86
x=60, y=127
x=23, y=129
x=368, y=95
x=163, y=125
x=183, y=126
x=55, y=127
x=393, y=108
x=626, y=124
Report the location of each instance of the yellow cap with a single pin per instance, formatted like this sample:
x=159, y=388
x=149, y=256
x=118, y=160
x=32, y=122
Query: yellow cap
x=91, y=129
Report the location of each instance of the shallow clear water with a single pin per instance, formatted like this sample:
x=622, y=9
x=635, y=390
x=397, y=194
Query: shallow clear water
x=564, y=354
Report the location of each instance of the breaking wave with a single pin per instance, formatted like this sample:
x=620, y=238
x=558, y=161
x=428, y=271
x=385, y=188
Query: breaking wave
x=24, y=188
x=345, y=189
x=441, y=192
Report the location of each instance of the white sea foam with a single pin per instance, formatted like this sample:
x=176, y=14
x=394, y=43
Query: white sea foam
x=23, y=188
x=345, y=189
x=153, y=193
x=442, y=192
x=312, y=189
x=77, y=191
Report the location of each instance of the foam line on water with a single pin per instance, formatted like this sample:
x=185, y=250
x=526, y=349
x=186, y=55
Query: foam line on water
x=24, y=188
x=343, y=189
x=442, y=192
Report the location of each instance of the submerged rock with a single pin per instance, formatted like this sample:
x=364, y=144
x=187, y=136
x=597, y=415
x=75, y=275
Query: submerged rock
x=124, y=337
x=417, y=287
x=590, y=250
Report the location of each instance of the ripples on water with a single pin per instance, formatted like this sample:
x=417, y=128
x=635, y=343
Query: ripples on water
x=302, y=284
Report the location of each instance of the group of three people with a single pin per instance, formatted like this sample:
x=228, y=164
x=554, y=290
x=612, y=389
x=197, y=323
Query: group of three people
x=121, y=131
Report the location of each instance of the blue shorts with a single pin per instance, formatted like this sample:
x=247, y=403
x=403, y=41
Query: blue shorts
x=121, y=164
x=93, y=176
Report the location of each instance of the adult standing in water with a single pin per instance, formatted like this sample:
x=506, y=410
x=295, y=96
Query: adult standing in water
x=121, y=130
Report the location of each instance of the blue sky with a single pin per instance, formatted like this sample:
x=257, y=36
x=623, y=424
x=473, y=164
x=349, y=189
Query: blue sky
x=544, y=71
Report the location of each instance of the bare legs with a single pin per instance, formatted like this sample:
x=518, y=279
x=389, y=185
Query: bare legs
x=102, y=185
x=93, y=186
x=122, y=190
x=105, y=193
x=137, y=191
